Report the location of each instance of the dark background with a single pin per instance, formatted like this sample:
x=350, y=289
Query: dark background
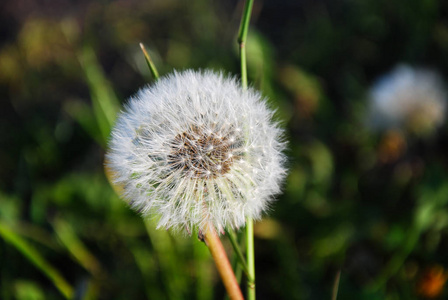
x=351, y=203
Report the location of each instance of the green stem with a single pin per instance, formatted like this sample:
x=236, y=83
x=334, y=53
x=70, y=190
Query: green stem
x=237, y=249
x=238, y=270
x=242, y=37
x=151, y=65
x=243, y=67
x=250, y=259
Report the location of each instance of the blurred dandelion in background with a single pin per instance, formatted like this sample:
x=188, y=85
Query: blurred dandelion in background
x=197, y=149
x=410, y=99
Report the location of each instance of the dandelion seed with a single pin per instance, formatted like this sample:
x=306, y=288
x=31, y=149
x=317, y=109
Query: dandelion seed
x=180, y=150
x=409, y=99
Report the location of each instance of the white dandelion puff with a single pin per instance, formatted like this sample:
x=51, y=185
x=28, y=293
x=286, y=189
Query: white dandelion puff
x=197, y=149
x=408, y=98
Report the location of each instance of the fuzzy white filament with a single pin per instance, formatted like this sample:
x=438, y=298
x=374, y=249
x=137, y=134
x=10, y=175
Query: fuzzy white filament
x=413, y=99
x=195, y=148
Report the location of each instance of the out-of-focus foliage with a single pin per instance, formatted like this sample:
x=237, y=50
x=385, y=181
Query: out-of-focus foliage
x=372, y=204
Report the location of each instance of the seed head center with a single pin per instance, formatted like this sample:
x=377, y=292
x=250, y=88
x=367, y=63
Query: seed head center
x=202, y=154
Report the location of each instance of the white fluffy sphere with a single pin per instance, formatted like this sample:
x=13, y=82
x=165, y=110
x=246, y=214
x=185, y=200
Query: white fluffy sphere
x=408, y=98
x=196, y=149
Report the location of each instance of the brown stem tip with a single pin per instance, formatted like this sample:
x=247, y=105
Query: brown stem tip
x=219, y=255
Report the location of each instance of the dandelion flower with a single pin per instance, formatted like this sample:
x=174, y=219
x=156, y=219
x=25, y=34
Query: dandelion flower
x=410, y=99
x=196, y=149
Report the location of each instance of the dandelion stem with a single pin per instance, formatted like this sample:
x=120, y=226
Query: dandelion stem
x=250, y=259
x=236, y=267
x=219, y=255
x=242, y=37
x=237, y=249
x=151, y=65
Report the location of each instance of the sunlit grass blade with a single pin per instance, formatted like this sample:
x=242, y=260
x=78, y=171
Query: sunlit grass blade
x=203, y=272
x=73, y=243
x=145, y=261
x=36, y=233
x=150, y=63
x=167, y=257
x=36, y=259
x=104, y=100
x=27, y=290
x=337, y=279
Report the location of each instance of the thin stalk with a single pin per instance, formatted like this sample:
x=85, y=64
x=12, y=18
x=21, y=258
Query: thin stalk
x=334, y=295
x=236, y=267
x=238, y=252
x=242, y=37
x=250, y=259
x=219, y=255
x=151, y=65
x=243, y=66
x=238, y=270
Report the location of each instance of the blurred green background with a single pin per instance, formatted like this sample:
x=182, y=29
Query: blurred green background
x=370, y=205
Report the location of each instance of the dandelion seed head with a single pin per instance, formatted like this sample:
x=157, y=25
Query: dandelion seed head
x=408, y=98
x=183, y=151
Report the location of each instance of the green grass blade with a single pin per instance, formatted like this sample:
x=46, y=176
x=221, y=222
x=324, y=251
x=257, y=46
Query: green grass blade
x=239, y=254
x=36, y=259
x=334, y=294
x=83, y=114
x=204, y=270
x=73, y=243
x=104, y=100
x=151, y=65
x=145, y=261
x=169, y=263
